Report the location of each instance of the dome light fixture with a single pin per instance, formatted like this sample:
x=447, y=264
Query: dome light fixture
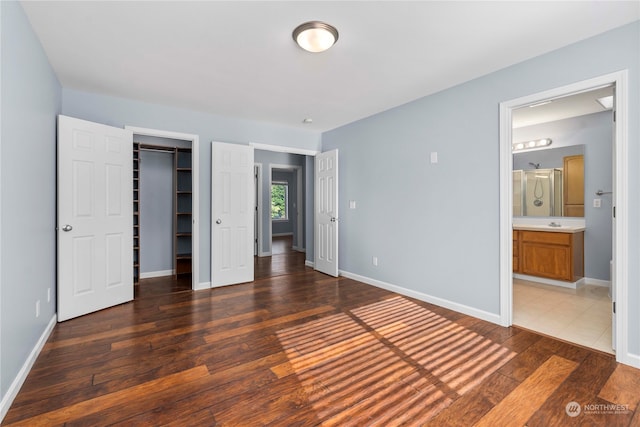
x=315, y=36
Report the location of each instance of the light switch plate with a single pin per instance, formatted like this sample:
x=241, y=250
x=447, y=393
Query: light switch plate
x=434, y=157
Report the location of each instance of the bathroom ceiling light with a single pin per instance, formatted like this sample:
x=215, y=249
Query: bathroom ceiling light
x=315, y=36
x=529, y=145
x=606, y=102
x=540, y=104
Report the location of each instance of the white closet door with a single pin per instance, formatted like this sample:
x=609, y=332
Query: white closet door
x=95, y=217
x=232, y=214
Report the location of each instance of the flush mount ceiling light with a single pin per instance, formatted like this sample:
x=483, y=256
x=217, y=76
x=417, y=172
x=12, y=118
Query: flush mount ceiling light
x=315, y=36
x=528, y=145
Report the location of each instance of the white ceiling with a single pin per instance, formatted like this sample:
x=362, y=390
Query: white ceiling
x=238, y=59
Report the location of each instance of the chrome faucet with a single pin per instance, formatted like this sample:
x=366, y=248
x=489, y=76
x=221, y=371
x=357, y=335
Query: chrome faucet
x=554, y=224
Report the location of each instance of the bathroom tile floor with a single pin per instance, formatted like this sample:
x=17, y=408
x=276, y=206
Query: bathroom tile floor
x=581, y=316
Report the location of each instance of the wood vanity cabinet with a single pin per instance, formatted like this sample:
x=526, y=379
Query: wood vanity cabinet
x=550, y=254
x=516, y=251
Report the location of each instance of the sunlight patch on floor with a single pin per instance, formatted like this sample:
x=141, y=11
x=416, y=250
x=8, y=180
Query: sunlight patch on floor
x=393, y=360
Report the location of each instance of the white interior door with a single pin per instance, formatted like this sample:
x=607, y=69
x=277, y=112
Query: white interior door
x=326, y=213
x=256, y=200
x=95, y=217
x=232, y=213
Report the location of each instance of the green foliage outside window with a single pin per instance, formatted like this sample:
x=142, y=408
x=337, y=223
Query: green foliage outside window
x=279, y=195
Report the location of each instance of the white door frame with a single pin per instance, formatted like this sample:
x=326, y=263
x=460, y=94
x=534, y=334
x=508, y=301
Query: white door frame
x=195, y=200
x=258, y=167
x=621, y=177
x=299, y=205
x=290, y=150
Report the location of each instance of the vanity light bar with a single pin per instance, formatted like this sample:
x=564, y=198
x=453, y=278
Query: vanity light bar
x=527, y=145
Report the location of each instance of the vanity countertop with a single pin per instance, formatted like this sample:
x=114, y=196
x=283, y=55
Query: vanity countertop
x=560, y=229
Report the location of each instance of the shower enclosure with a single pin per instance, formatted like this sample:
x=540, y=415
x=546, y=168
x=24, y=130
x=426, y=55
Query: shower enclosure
x=537, y=192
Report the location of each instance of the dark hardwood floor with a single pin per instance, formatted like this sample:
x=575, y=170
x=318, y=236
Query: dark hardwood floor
x=301, y=349
x=283, y=261
x=162, y=285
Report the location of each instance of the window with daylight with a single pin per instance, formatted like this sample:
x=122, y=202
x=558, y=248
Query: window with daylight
x=279, y=200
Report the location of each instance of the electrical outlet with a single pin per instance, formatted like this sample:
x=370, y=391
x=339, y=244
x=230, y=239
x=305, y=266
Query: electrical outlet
x=48, y=294
x=374, y=260
x=38, y=308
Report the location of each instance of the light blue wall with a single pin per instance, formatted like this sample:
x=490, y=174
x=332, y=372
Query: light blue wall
x=31, y=99
x=119, y=112
x=439, y=235
x=267, y=158
x=156, y=211
x=595, y=133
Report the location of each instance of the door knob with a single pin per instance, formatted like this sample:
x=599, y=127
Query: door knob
x=333, y=219
x=67, y=227
x=218, y=221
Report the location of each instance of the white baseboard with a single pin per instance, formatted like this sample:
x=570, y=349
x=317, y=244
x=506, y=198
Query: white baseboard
x=281, y=234
x=309, y=263
x=15, y=386
x=632, y=360
x=263, y=254
x=570, y=285
x=297, y=249
x=161, y=273
x=461, y=308
x=203, y=285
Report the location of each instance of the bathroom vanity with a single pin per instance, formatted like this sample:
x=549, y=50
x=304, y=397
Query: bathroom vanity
x=549, y=252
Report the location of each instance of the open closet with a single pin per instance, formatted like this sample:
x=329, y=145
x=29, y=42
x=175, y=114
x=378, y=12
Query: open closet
x=163, y=210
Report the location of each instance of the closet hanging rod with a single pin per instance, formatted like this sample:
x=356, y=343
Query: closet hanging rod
x=149, y=147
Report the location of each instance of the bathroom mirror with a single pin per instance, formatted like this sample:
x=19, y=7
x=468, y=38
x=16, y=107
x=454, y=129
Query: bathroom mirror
x=549, y=182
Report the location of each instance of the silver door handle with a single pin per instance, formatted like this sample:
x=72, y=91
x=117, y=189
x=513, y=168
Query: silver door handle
x=218, y=221
x=67, y=227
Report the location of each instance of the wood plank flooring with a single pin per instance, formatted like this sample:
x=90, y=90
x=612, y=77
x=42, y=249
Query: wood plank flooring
x=304, y=349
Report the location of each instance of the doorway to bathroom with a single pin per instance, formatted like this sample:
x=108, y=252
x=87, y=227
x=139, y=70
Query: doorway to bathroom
x=539, y=133
x=562, y=290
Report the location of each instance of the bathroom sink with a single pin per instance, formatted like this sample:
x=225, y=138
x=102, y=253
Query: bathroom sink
x=548, y=227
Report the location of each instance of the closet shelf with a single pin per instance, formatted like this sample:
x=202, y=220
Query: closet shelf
x=182, y=218
x=136, y=212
